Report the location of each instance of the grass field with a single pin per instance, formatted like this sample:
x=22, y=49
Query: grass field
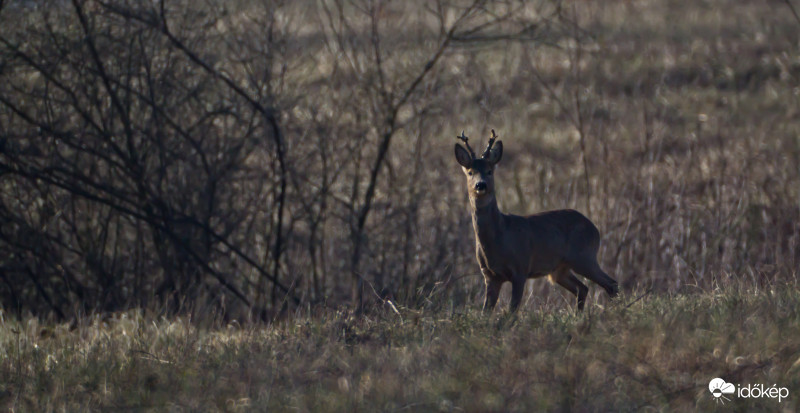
x=652, y=354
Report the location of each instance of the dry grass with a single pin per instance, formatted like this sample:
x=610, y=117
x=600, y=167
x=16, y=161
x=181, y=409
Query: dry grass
x=657, y=354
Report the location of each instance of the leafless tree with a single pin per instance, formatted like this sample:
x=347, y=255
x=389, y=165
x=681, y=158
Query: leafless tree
x=240, y=156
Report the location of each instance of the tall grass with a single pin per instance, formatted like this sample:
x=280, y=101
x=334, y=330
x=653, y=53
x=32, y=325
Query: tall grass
x=657, y=352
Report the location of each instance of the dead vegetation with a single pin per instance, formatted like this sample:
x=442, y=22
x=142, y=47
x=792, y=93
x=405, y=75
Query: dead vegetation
x=246, y=159
x=658, y=353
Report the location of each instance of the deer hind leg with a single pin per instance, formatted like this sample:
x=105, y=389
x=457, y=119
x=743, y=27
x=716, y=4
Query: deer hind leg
x=590, y=269
x=492, y=292
x=566, y=279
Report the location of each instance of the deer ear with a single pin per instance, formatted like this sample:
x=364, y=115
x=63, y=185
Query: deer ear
x=495, y=153
x=463, y=157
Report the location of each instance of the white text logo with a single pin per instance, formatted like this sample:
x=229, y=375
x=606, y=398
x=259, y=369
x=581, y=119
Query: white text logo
x=719, y=388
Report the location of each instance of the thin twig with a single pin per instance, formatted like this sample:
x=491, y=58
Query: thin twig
x=646, y=293
x=794, y=11
x=384, y=300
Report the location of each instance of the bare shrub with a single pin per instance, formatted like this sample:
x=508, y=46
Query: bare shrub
x=245, y=158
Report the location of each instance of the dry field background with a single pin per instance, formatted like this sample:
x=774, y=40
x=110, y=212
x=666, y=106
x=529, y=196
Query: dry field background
x=171, y=174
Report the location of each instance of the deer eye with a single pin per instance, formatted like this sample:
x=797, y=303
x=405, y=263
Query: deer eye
x=469, y=173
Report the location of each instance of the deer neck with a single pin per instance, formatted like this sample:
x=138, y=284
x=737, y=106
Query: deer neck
x=486, y=220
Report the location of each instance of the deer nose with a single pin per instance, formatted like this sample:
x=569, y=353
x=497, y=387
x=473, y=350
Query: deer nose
x=480, y=186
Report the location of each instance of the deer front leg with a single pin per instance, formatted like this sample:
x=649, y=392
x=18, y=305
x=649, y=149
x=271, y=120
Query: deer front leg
x=492, y=290
x=517, y=289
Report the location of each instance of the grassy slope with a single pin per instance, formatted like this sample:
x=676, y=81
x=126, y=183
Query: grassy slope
x=660, y=352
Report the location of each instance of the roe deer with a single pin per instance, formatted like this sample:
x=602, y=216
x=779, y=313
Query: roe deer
x=514, y=248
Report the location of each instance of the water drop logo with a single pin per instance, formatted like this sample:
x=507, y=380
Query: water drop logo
x=719, y=388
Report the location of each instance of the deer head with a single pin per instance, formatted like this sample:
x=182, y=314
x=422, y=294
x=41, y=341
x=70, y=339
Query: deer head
x=479, y=171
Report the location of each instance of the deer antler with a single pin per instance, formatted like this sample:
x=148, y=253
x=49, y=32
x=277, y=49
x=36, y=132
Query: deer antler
x=489, y=148
x=464, y=138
